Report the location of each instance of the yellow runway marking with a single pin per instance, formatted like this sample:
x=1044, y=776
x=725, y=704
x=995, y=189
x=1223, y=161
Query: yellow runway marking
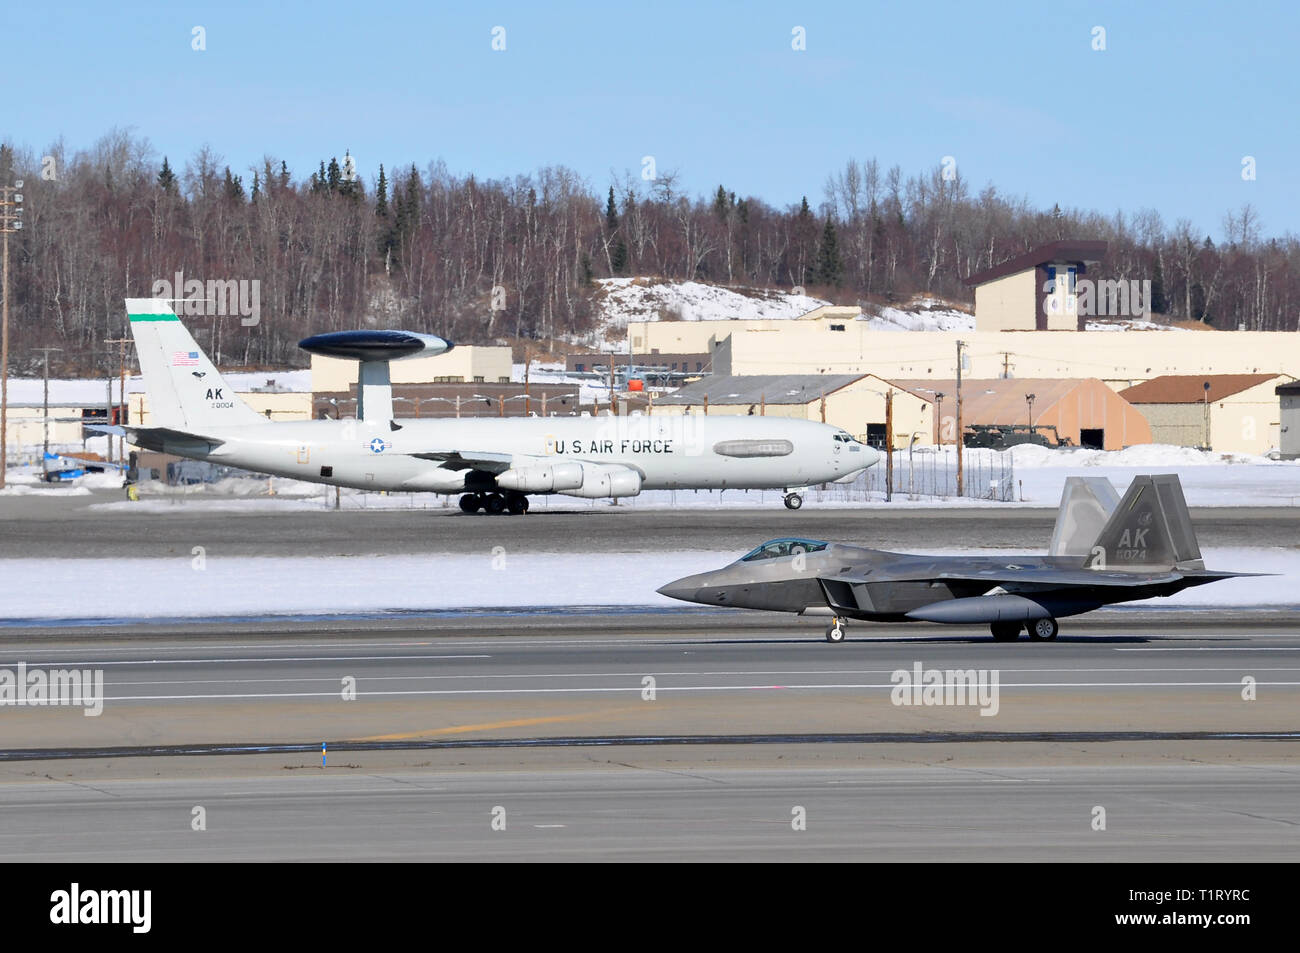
x=494, y=725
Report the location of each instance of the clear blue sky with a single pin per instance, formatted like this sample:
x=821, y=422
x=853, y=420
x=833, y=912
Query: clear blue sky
x=1013, y=91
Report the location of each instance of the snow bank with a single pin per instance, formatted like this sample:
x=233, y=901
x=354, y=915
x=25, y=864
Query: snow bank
x=1150, y=455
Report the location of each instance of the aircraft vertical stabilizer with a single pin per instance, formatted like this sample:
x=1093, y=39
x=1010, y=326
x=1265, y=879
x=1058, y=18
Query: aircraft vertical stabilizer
x=1086, y=505
x=186, y=391
x=1151, y=528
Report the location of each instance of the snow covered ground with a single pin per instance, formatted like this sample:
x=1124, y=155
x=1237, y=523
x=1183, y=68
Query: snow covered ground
x=939, y=319
x=648, y=299
x=316, y=586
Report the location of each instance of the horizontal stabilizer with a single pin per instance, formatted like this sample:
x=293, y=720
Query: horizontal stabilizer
x=169, y=440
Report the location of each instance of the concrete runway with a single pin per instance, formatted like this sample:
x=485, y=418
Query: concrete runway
x=1139, y=713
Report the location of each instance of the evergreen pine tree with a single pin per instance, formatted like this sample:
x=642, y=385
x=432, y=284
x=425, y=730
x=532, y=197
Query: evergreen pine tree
x=234, y=190
x=334, y=176
x=167, y=178
x=257, y=189
x=611, y=213
x=381, y=194
x=721, y=206
x=284, y=174
x=830, y=267
x=618, y=254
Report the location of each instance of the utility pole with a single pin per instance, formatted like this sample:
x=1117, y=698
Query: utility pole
x=11, y=220
x=961, y=345
x=1006, y=365
x=528, y=363
x=45, y=413
x=121, y=395
x=889, y=446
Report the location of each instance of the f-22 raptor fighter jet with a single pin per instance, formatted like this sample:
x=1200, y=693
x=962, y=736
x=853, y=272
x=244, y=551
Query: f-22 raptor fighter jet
x=1104, y=550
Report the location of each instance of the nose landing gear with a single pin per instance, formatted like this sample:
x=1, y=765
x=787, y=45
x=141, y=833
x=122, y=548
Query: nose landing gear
x=793, y=501
x=836, y=631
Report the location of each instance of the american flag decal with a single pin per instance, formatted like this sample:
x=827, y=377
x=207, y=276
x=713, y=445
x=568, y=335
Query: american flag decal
x=185, y=359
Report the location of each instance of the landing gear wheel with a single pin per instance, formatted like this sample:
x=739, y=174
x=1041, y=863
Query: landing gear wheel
x=517, y=504
x=1005, y=631
x=835, y=632
x=1043, y=630
x=470, y=503
x=793, y=501
x=494, y=503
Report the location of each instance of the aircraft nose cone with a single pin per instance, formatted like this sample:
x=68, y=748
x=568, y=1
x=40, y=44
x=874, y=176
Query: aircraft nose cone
x=675, y=590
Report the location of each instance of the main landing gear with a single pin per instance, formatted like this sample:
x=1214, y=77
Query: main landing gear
x=793, y=501
x=1040, y=630
x=836, y=630
x=493, y=503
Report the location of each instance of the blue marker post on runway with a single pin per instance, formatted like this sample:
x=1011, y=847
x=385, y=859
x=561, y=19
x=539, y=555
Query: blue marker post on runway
x=322, y=754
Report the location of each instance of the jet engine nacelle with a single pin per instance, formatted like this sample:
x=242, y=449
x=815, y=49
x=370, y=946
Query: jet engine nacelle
x=599, y=482
x=549, y=478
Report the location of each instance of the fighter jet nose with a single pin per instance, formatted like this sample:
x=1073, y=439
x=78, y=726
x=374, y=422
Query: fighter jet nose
x=675, y=591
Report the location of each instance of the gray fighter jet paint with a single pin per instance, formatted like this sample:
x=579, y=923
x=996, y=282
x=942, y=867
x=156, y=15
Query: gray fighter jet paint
x=1104, y=550
x=494, y=462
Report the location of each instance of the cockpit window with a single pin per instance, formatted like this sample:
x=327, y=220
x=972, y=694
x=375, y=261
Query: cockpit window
x=843, y=437
x=785, y=547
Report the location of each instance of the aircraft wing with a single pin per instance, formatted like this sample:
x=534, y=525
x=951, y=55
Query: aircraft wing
x=1037, y=577
x=471, y=459
x=1052, y=578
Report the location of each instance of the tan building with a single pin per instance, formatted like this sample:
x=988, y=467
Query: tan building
x=1084, y=411
x=1120, y=358
x=855, y=402
x=1289, y=437
x=1036, y=291
x=462, y=364
x=1233, y=413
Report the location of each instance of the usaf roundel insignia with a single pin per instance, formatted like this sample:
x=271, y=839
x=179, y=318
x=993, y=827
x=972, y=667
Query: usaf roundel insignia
x=378, y=445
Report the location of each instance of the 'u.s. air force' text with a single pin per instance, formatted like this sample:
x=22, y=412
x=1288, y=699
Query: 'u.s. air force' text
x=613, y=446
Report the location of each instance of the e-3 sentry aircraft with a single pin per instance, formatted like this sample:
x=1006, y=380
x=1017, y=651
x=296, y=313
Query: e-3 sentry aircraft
x=494, y=462
x=1104, y=550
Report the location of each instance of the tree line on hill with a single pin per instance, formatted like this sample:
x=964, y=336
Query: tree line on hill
x=478, y=261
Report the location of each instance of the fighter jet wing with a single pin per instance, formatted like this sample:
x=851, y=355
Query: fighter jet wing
x=1039, y=577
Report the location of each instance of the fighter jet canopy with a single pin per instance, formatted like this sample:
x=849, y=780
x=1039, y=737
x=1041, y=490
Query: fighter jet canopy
x=787, y=546
x=375, y=345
